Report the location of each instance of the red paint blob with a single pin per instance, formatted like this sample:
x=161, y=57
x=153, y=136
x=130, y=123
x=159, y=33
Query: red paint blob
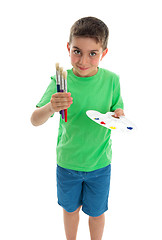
x=102, y=123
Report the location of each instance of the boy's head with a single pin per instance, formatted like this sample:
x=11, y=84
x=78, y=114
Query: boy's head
x=87, y=45
x=90, y=27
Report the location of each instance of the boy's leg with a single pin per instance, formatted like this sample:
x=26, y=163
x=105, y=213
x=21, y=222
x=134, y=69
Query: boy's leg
x=71, y=221
x=96, y=227
x=95, y=199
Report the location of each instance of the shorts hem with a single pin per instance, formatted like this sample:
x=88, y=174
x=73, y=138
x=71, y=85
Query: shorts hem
x=68, y=210
x=94, y=214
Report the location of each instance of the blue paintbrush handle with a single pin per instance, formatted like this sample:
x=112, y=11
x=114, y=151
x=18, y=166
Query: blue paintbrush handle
x=62, y=111
x=58, y=90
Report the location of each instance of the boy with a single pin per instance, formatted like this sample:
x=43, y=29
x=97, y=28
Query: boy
x=83, y=147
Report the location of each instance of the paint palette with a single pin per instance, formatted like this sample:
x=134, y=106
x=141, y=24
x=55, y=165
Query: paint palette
x=109, y=121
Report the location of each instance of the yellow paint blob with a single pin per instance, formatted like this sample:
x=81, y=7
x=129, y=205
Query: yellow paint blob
x=113, y=127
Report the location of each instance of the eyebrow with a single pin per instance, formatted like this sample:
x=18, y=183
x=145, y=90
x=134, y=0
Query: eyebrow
x=90, y=50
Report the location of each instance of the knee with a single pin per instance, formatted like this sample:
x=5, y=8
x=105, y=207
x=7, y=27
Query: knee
x=76, y=211
x=97, y=218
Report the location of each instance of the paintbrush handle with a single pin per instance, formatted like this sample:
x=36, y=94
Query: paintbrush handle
x=58, y=90
x=65, y=115
x=62, y=111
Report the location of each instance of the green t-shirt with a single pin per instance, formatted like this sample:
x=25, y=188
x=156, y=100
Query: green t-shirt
x=83, y=145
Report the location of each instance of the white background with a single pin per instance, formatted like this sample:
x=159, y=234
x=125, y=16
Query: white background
x=33, y=38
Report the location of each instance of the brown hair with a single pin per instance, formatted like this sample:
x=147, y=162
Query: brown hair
x=90, y=27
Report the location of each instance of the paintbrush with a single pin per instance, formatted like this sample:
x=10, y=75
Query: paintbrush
x=58, y=78
x=65, y=90
x=61, y=87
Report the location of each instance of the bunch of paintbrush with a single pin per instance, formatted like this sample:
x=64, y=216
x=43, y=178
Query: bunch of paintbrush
x=61, y=81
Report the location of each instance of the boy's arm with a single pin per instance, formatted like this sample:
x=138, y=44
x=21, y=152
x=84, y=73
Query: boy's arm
x=59, y=101
x=41, y=115
x=117, y=101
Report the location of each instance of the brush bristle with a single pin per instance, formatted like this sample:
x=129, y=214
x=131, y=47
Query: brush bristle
x=64, y=74
x=61, y=70
x=57, y=66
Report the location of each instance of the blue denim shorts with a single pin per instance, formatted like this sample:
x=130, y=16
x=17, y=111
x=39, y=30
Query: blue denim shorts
x=87, y=189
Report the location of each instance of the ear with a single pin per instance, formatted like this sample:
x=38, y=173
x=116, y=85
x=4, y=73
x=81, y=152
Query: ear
x=68, y=47
x=104, y=53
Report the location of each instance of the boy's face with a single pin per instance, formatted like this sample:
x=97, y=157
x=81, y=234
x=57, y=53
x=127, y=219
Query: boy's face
x=85, y=56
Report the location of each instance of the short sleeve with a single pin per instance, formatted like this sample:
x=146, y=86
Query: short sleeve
x=117, y=101
x=51, y=89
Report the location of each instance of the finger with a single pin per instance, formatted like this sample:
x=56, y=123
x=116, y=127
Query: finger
x=119, y=113
x=65, y=107
x=62, y=104
x=62, y=100
x=61, y=95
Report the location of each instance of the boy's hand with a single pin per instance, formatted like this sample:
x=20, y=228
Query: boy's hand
x=60, y=101
x=119, y=112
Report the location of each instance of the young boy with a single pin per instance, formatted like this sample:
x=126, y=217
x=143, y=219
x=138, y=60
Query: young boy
x=83, y=147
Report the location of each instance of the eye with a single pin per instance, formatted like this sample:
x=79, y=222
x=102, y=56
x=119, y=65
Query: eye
x=92, y=54
x=77, y=52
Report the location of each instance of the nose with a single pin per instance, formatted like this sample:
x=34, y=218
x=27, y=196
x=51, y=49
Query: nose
x=83, y=60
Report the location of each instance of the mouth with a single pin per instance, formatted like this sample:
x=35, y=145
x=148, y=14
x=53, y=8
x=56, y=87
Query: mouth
x=82, y=68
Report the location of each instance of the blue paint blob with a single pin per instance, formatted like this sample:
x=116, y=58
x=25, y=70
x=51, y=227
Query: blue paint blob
x=96, y=118
x=130, y=128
